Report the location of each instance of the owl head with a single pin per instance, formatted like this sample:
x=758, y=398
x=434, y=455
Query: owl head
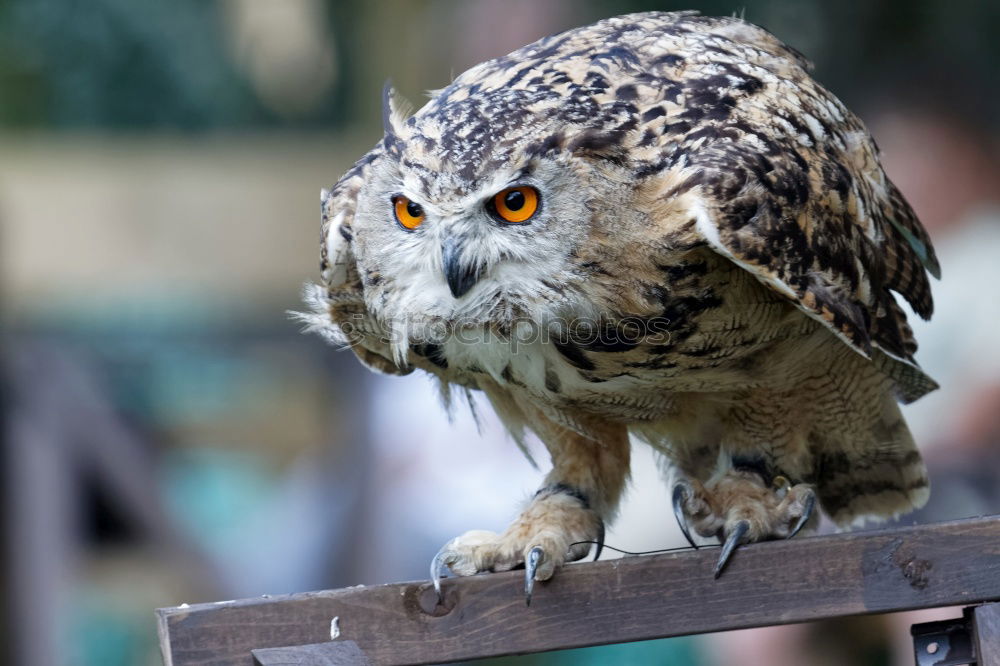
x=475, y=208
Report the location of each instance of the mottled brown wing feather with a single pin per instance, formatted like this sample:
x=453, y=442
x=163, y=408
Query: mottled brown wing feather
x=791, y=190
x=908, y=253
x=806, y=244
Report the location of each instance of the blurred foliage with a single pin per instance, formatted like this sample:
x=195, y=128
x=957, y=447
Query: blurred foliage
x=117, y=63
x=143, y=64
x=126, y=65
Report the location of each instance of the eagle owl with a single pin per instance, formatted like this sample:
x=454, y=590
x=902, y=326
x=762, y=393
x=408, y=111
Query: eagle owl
x=657, y=226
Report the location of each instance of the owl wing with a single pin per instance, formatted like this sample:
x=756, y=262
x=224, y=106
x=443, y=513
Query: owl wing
x=785, y=181
x=832, y=236
x=339, y=308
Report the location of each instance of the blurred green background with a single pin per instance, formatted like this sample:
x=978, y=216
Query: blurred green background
x=170, y=436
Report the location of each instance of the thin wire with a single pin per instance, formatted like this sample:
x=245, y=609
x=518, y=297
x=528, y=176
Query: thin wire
x=650, y=552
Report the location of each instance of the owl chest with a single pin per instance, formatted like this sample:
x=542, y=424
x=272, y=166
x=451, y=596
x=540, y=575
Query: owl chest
x=720, y=350
x=548, y=373
x=529, y=364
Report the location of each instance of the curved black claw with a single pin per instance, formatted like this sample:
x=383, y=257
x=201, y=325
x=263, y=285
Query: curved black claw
x=438, y=566
x=806, y=514
x=680, y=494
x=535, y=556
x=732, y=541
x=600, y=541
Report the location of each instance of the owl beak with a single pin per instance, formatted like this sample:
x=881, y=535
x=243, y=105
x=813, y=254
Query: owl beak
x=461, y=277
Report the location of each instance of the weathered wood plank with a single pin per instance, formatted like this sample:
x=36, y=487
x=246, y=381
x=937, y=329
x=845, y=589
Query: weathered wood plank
x=334, y=653
x=612, y=601
x=987, y=635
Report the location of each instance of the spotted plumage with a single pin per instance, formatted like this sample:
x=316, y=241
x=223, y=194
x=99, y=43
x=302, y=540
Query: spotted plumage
x=711, y=267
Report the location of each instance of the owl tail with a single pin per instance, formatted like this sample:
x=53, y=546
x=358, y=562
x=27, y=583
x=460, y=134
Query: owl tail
x=877, y=479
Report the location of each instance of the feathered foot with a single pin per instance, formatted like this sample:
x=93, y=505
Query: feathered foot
x=742, y=507
x=541, y=539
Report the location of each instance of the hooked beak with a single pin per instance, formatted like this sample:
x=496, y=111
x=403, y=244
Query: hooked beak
x=461, y=277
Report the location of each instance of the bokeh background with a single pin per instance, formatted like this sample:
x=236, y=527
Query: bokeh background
x=169, y=436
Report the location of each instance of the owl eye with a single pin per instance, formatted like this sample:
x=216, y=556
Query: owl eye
x=408, y=213
x=515, y=204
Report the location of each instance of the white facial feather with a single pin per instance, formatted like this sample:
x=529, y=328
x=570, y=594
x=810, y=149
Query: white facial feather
x=520, y=262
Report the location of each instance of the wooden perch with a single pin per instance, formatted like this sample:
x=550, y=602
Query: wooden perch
x=612, y=601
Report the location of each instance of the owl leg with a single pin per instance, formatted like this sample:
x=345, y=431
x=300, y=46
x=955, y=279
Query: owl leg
x=744, y=505
x=561, y=521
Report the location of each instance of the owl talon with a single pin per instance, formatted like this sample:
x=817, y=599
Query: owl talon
x=729, y=546
x=438, y=566
x=679, y=496
x=599, y=540
x=807, y=510
x=535, y=556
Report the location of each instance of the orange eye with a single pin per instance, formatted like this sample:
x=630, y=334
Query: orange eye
x=515, y=204
x=408, y=213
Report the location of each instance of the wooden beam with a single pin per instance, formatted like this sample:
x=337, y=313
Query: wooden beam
x=334, y=653
x=613, y=601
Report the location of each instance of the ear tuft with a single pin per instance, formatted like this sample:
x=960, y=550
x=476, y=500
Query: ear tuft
x=395, y=111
